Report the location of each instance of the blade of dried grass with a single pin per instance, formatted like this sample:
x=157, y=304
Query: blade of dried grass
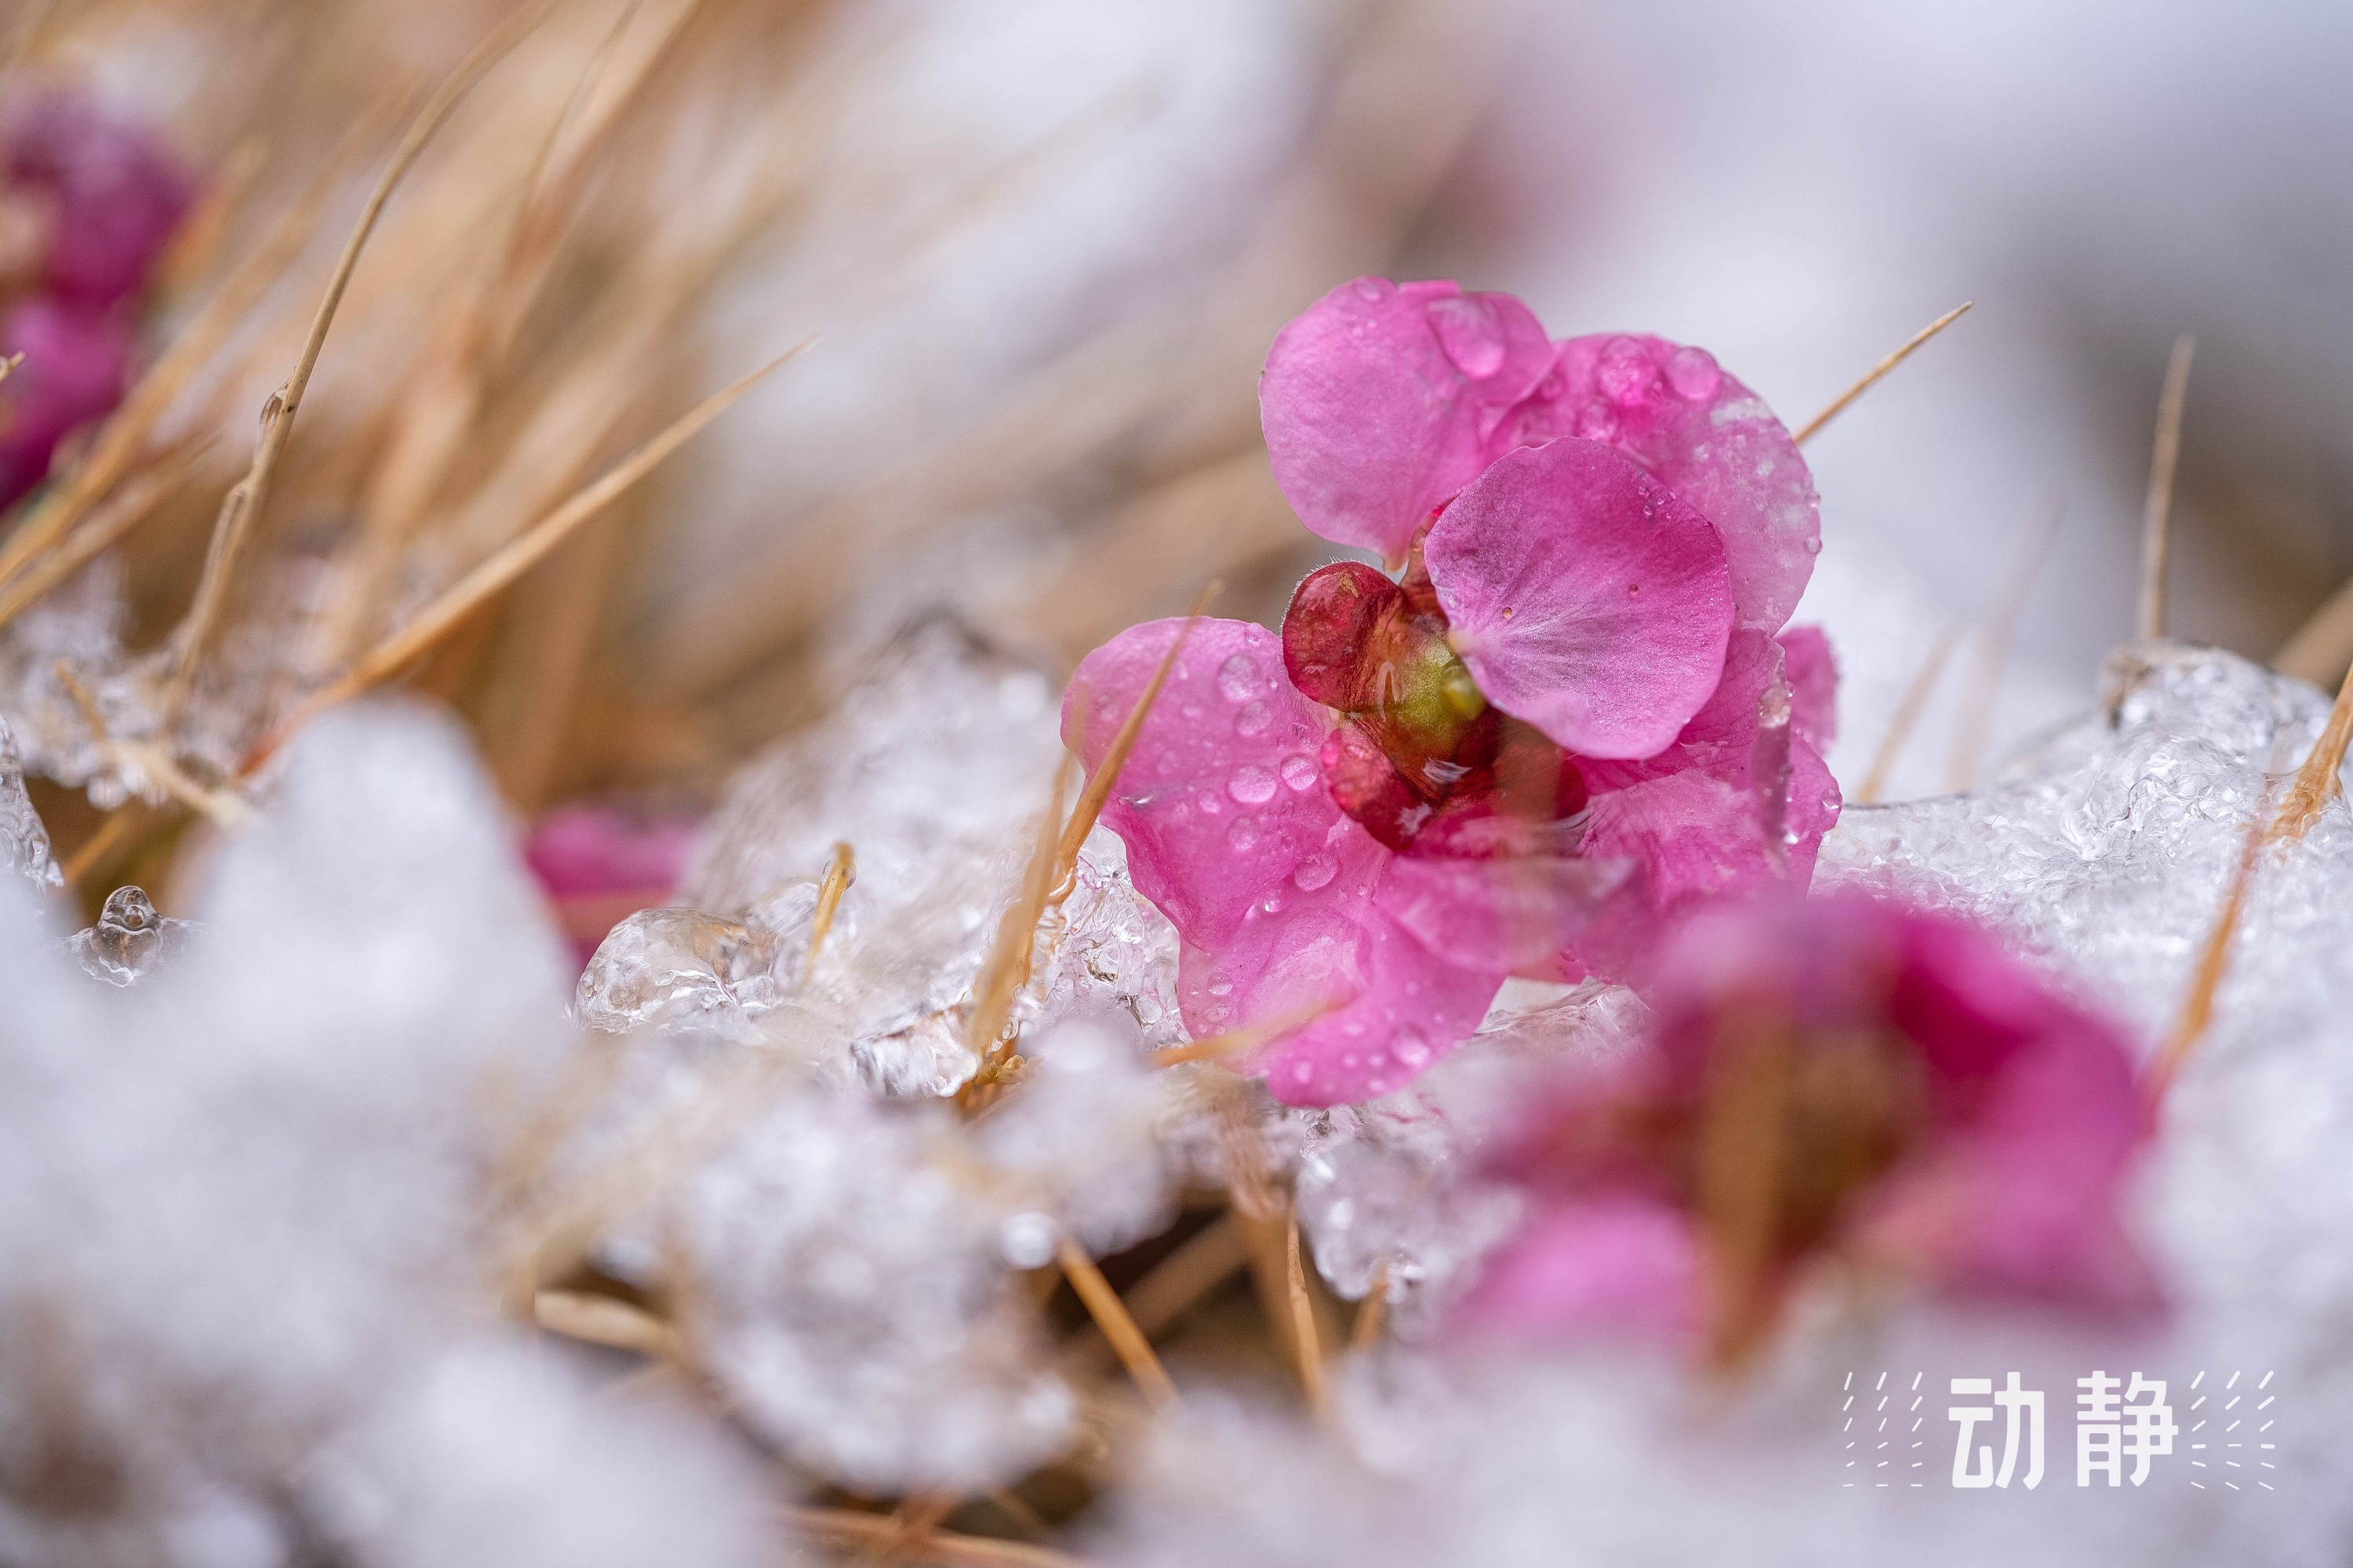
x=245, y=501
x=2321, y=777
x=1110, y=1315
x=1106, y=773
x=1839, y=404
x=1007, y=970
x=1235, y=1042
x=840, y=871
x=846, y=1529
x=130, y=504
x=1907, y=713
x=2156, y=512
x=2196, y=1012
x=1305, y=1342
x=461, y=598
x=1976, y=721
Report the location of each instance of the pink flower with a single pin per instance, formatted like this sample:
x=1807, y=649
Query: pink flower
x=76, y=365
x=600, y=865
x=114, y=195
x=105, y=199
x=1567, y=720
x=1838, y=1076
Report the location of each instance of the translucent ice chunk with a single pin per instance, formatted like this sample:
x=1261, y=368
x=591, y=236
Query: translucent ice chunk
x=851, y=1299
x=681, y=967
x=129, y=939
x=1387, y=1187
x=24, y=841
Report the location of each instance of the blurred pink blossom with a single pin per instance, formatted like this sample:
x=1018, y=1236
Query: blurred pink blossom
x=1834, y=1076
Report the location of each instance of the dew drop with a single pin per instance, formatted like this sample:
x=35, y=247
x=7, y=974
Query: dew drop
x=1596, y=424
x=1301, y=1072
x=1253, y=719
x=1373, y=289
x=1299, y=772
x=1350, y=1060
x=1211, y=803
x=1221, y=988
x=1472, y=336
x=1240, y=679
x=1316, y=871
x=1693, y=374
x=1242, y=837
x=1252, y=784
x=1413, y=1049
x=1625, y=373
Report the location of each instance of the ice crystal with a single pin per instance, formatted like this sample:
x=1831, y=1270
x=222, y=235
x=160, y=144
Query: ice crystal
x=129, y=938
x=24, y=841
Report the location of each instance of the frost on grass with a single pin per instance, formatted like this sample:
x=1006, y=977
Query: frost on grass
x=242, y=1202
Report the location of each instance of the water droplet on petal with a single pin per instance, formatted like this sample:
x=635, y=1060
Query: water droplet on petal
x=1373, y=289
x=1211, y=803
x=1596, y=424
x=1472, y=336
x=1253, y=719
x=1240, y=679
x=1316, y=871
x=1252, y=784
x=1299, y=772
x=1413, y=1049
x=1221, y=988
x=1693, y=374
x=1625, y=372
x=1242, y=837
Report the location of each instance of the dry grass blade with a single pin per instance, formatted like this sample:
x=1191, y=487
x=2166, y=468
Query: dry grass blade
x=1304, y=1339
x=1106, y=773
x=840, y=871
x=98, y=851
x=2213, y=964
x=131, y=505
x=2156, y=512
x=466, y=595
x=603, y=1320
x=1907, y=713
x=846, y=1529
x=1839, y=404
x=244, y=502
x=1975, y=724
x=1110, y=1315
x=1007, y=968
x=2322, y=775
x=1235, y=1042
x=1373, y=1312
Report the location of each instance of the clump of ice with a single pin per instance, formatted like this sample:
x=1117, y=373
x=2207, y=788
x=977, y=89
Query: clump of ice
x=129, y=938
x=1076, y=1143
x=849, y=1291
x=241, y=1202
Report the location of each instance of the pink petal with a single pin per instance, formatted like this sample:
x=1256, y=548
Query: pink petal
x=1811, y=669
x=579, y=850
x=1708, y=439
x=1380, y=402
x=1811, y=812
x=1584, y=596
x=1379, y=1007
x=1513, y=915
x=1221, y=802
x=1617, y=1260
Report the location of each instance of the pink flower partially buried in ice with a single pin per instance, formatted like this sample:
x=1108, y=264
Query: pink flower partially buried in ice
x=600, y=865
x=1838, y=1076
x=1569, y=716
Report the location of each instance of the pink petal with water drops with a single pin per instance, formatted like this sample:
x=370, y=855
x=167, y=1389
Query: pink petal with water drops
x=1810, y=667
x=1812, y=811
x=1376, y=1007
x=1707, y=438
x=1609, y=1261
x=1221, y=801
x=1512, y=915
x=1584, y=596
x=1380, y=401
